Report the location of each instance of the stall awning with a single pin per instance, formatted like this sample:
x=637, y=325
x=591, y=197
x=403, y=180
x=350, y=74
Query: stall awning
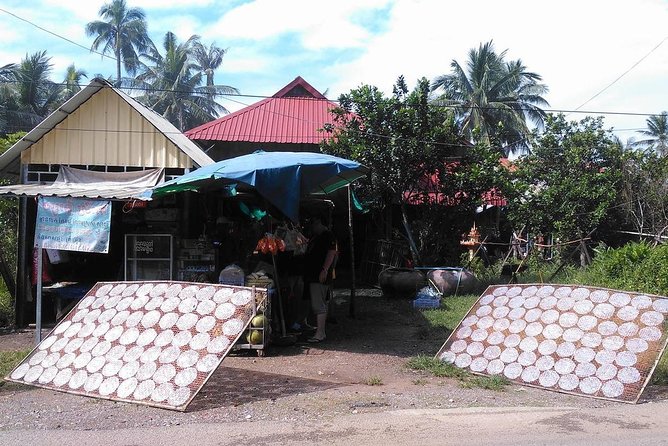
x=79, y=183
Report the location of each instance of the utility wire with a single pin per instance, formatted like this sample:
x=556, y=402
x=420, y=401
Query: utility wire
x=622, y=75
x=229, y=96
x=576, y=110
x=55, y=34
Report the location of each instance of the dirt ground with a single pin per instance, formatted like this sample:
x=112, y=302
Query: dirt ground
x=299, y=382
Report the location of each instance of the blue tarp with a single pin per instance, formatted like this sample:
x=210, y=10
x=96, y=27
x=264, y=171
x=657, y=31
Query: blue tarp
x=283, y=178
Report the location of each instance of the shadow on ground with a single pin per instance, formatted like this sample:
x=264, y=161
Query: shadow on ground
x=381, y=325
x=230, y=386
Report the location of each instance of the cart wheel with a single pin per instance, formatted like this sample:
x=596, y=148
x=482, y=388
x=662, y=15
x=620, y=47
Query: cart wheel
x=260, y=353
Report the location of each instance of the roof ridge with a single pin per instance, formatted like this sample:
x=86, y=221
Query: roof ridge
x=298, y=81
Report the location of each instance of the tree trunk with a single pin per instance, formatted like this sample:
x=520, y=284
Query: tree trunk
x=7, y=275
x=409, y=234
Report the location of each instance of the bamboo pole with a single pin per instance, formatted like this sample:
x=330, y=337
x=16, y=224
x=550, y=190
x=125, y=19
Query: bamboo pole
x=351, y=307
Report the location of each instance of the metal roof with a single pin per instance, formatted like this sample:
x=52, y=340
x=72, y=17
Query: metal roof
x=79, y=183
x=295, y=114
x=76, y=191
x=10, y=160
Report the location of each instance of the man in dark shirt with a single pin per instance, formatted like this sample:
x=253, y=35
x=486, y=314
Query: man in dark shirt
x=318, y=268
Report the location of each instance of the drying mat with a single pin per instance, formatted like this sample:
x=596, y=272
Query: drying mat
x=580, y=340
x=153, y=343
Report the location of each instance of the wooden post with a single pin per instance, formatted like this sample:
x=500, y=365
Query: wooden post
x=38, y=301
x=351, y=306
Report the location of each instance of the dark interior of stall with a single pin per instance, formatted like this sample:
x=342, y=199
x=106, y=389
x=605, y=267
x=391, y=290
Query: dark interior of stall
x=193, y=237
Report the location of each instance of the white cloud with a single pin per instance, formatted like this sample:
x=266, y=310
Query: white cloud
x=82, y=10
x=578, y=47
x=587, y=46
x=318, y=24
x=170, y=4
x=183, y=26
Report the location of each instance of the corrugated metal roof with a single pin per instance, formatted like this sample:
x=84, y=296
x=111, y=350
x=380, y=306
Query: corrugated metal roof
x=76, y=191
x=79, y=183
x=9, y=161
x=295, y=114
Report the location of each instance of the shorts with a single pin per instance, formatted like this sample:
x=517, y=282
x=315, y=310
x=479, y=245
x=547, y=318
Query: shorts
x=319, y=297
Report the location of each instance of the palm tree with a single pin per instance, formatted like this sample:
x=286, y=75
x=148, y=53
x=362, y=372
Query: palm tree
x=122, y=32
x=29, y=96
x=657, y=133
x=72, y=82
x=493, y=98
x=173, y=82
x=7, y=73
x=208, y=59
x=7, y=79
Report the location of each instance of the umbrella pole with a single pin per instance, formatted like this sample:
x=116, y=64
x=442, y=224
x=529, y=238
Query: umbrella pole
x=278, y=295
x=351, y=307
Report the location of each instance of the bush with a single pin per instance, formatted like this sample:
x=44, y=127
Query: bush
x=635, y=266
x=6, y=306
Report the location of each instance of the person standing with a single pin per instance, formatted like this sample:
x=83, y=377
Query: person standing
x=318, y=272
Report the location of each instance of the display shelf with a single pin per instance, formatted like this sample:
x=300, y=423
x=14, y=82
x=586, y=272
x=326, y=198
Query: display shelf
x=148, y=257
x=264, y=309
x=195, y=258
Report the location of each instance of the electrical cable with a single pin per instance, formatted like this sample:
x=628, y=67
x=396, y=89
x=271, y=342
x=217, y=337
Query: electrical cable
x=622, y=75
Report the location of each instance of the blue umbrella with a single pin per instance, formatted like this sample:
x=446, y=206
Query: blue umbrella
x=280, y=177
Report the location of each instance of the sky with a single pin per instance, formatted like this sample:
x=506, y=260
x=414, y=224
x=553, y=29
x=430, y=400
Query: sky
x=614, y=51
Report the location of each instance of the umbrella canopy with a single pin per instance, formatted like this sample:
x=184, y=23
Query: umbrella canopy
x=280, y=177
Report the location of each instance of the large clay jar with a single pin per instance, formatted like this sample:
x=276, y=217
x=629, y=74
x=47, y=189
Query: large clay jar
x=401, y=282
x=450, y=280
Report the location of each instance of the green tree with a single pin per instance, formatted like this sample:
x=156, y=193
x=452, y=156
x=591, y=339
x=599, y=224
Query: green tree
x=406, y=142
x=656, y=133
x=72, y=82
x=569, y=183
x=174, y=87
x=643, y=193
x=28, y=95
x=8, y=232
x=7, y=79
x=493, y=99
x=121, y=32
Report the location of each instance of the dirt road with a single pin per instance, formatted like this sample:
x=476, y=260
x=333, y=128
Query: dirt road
x=322, y=394
x=619, y=425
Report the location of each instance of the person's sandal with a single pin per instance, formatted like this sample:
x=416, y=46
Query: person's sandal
x=314, y=340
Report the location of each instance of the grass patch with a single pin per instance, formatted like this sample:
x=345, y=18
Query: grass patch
x=436, y=367
x=451, y=312
x=497, y=383
x=420, y=382
x=374, y=381
x=9, y=360
x=660, y=376
x=466, y=379
x=446, y=319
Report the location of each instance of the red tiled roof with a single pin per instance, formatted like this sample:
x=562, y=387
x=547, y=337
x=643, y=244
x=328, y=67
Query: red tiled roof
x=295, y=114
x=427, y=191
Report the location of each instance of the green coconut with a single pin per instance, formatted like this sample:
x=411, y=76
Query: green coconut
x=254, y=337
x=258, y=321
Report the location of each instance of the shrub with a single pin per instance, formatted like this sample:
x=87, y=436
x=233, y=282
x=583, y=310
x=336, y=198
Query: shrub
x=635, y=266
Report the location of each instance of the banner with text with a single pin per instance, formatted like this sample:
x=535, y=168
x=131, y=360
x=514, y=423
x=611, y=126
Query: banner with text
x=73, y=224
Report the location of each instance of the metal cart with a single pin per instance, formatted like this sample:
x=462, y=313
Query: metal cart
x=257, y=337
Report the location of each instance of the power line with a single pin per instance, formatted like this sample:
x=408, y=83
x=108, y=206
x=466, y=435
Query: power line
x=623, y=74
x=141, y=132
x=576, y=110
x=228, y=96
x=55, y=34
